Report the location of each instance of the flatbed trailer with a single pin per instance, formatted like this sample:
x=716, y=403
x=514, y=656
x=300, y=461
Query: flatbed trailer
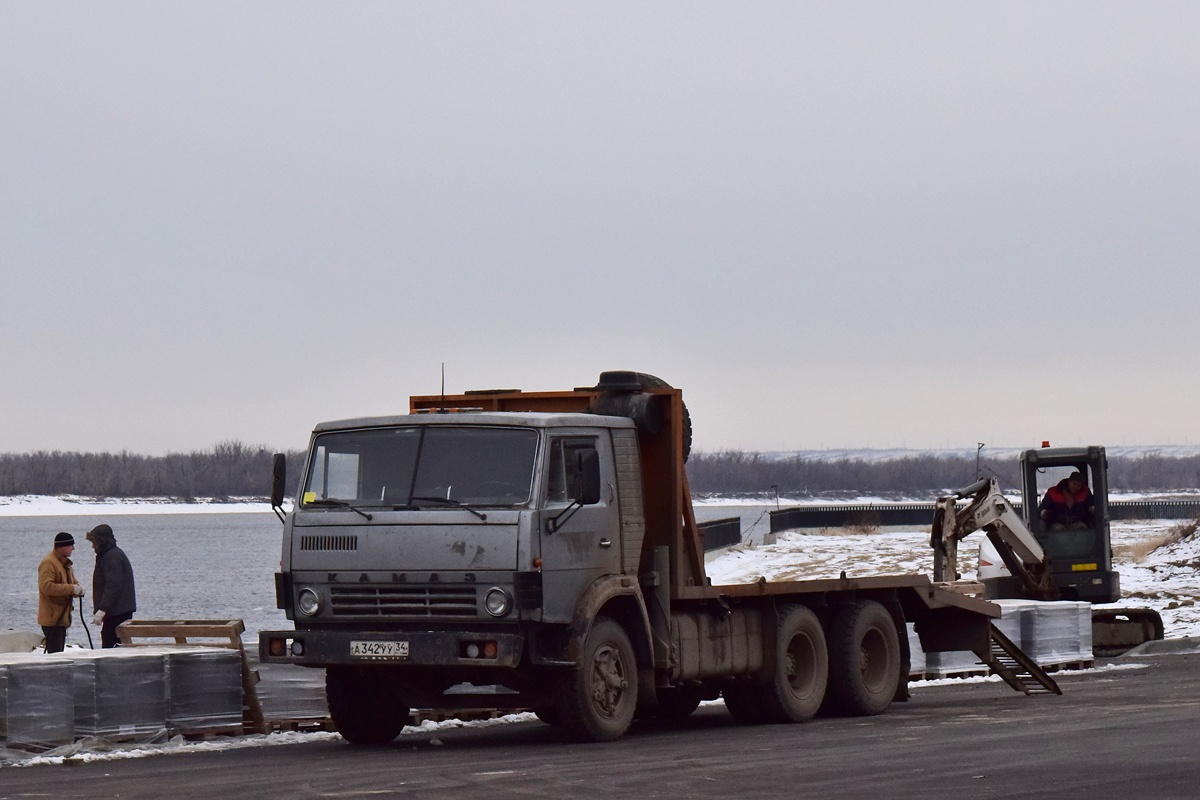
x=509, y=549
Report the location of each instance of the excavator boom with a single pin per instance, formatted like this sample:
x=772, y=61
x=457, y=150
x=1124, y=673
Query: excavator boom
x=989, y=511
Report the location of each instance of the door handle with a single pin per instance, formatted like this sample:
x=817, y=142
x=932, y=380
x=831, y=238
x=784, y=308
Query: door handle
x=605, y=543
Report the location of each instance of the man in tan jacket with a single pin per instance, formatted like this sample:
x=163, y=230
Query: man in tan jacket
x=57, y=589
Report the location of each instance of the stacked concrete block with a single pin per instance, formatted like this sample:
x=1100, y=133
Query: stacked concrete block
x=953, y=662
x=1057, y=632
x=129, y=693
x=37, y=701
x=119, y=694
x=1012, y=619
x=1051, y=633
x=204, y=688
x=289, y=691
x=938, y=665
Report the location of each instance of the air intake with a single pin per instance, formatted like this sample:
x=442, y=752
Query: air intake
x=327, y=543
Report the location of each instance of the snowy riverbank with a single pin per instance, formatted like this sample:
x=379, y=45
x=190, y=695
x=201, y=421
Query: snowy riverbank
x=75, y=506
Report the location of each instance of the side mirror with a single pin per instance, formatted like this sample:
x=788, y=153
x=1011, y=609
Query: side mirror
x=587, y=477
x=278, y=480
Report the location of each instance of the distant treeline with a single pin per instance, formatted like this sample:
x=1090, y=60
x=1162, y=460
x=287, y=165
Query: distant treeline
x=232, y=469
x=736, y=472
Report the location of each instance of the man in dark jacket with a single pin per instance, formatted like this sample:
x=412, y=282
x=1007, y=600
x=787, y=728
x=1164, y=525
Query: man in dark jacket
x=112, y=585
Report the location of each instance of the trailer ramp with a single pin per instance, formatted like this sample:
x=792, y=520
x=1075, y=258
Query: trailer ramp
x=1016, y=668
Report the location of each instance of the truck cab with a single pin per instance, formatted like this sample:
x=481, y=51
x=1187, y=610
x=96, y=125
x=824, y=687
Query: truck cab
x=421, y=524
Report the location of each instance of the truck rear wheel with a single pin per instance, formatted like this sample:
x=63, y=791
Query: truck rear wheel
x=797, y=679
x=864, y=660
x=363, y=707
x=801, y=668
x=598, y=699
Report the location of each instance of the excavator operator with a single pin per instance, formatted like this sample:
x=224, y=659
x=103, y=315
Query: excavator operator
x=1068, y=506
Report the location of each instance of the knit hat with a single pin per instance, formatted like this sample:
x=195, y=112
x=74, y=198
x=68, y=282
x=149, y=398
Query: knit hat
x=63, y=540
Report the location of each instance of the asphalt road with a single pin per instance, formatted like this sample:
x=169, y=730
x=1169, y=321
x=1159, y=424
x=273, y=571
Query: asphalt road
x=1115, y=734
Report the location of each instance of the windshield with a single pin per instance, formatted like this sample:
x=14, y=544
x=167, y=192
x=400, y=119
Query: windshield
x=422, y=466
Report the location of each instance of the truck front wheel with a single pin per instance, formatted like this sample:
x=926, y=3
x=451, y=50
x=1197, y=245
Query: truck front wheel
x=598, y=699
x=363, y=707
x=864, y=659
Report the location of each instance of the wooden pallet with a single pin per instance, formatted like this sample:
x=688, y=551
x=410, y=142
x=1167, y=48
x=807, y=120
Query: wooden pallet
x=202, y=633
x=208, y=734
x=1069, y=665
x=303, y=725
x=974, y=672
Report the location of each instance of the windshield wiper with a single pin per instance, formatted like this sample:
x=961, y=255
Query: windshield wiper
x=451, y=502
x=340, y=504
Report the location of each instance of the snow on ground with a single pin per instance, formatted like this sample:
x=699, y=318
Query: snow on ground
x=86, y=752
x=1166, y=579
x=803, y=555
x=73, y=505
x=1058, y=676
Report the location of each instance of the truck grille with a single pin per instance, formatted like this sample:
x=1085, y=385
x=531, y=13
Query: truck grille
x=326, y=543
x=403, y=601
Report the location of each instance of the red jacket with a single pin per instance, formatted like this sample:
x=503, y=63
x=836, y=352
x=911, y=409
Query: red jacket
x=1058, y=512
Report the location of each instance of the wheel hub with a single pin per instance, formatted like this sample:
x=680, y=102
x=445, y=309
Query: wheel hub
x=608, y=680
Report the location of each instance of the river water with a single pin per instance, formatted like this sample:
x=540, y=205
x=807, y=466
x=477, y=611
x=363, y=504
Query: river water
x=186, y=566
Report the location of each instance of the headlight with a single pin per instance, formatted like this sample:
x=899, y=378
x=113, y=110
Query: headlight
x=308, y=601
x=496, y=602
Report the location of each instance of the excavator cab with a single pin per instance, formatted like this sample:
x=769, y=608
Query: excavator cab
x=1078, y=545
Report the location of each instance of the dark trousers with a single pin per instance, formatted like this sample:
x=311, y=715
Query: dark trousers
x=56, y=637
x=108, y=631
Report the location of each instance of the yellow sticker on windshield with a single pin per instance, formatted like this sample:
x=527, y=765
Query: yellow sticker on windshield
x=1076, y=567
x=310, y=497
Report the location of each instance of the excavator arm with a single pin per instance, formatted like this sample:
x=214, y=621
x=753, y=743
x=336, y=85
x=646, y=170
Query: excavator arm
x=989, y=511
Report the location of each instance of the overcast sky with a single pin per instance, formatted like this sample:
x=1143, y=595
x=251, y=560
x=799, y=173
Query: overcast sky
x=832, y=225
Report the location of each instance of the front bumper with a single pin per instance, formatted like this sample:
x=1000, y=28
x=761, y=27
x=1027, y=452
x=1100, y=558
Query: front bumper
x=327, y=648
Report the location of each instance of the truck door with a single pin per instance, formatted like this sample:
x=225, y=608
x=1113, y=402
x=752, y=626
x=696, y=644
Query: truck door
x=579, y=543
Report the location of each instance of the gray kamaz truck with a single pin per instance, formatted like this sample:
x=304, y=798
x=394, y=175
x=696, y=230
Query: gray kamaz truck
x=538, y=550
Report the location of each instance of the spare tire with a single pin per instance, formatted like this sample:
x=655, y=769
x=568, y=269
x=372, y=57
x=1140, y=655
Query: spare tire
x=624, y=394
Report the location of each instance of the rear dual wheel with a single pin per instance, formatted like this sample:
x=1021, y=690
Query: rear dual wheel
x=797, y=678
x=864, y=660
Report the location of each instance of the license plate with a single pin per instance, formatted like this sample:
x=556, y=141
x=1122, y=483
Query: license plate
x=379, y=649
